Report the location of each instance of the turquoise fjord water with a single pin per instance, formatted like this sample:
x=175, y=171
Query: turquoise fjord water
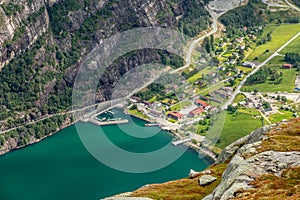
x=60, y=167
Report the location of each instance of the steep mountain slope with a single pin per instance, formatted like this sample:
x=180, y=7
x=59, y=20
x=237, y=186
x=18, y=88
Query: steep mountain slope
x=42, y=44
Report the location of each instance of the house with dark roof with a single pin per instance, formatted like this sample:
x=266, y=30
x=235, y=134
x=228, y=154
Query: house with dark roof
x=216, y=99
x=204, y=98
x=147, y=103
x=222, y=94
x=287, y=66
x=155, y=113
x=175, y=115
x=135, y=99
x=248, y=64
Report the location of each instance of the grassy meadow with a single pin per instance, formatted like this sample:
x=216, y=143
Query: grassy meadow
x=280, y=35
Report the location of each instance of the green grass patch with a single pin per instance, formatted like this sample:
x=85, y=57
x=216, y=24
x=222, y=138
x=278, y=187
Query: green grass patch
x=153, y=99
x=181, y=105
x=210, y=88
x=198, y=75
x=166, y=101
x=280, y=116
x=287, y=84
x=172, y=120
x=240, y=97
x=243, y=119
x=138, y=114
x=244, y=69
x=292, y=47
x=280, y=35
x=288, y=79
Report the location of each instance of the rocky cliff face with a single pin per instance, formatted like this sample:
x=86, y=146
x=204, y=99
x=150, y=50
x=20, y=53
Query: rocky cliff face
x=21, y=24
x=72, y=28
x=43, y=43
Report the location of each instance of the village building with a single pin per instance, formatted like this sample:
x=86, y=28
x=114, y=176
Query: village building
x=232, y=62
x=196, y=112
x=222, y=68
x=156, y=105
x=147, y=103
x=216, y=100
x=155, y=113
x=175, y=115
x=297, y=83
x=240, y=40
x=269, y=109
x=248, y=64
x=287, y=66
x=135, y=99
x=243, y=103
x=202, y=60
x=204, y=98
x=205, y=105
x=223, y=44
x=252, y=37
x=213, y=109
x=227, y=89
x=235, y=54
x=242, y=46
x=222, y=94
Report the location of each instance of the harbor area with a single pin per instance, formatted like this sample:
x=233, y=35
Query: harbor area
x=106, y=118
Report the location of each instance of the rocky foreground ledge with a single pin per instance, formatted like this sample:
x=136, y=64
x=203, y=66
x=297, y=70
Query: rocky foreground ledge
x=269, y=152
x=264, y=163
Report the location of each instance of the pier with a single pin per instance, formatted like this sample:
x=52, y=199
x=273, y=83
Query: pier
x=110, y=122
x=152, y=124
x=178, y=142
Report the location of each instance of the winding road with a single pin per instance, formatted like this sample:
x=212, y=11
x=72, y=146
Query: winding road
x=215, y=16
x=292, y=5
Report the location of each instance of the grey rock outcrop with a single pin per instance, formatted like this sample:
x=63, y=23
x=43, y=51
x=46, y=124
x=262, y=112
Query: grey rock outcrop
x=253, y=137
x=23, y=27
x=206, y=180
x=243, y=170
x=193, y=173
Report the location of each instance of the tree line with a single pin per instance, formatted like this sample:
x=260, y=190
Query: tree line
x=262, y=75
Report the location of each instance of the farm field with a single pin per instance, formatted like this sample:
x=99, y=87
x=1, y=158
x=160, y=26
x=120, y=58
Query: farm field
x=198, y=75
x=181, y=105
x=244, y=120
x=280, y=116
x=280, y=35
x=239, y=98
x=288, y=79
x=293, y=47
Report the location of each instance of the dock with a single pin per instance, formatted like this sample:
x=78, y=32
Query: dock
x=178, y=142
x=152, y=124
x=110, y=122
x=165, y=128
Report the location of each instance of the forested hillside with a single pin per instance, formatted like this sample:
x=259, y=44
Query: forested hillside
x=41, y=53
x=297, y=2
x=256, y=14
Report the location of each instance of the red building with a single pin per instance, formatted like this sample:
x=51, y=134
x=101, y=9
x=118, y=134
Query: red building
x=175, y=115
x=196, y=112
x=205, y=105
x=287, y=66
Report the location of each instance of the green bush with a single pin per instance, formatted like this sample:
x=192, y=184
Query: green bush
x=12, y=9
